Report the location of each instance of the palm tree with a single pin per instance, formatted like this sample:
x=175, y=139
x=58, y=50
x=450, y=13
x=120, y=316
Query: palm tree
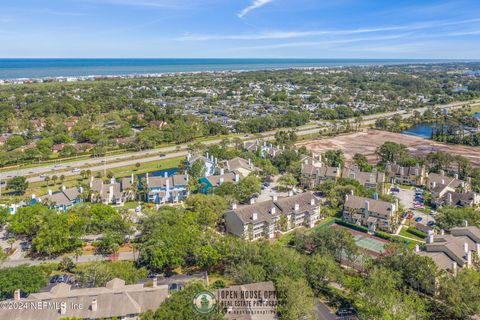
x=47, y=180
x=78, y=252
x=54, y=179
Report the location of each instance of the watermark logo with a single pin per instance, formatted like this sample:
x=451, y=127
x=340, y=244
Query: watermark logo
x=204, y=302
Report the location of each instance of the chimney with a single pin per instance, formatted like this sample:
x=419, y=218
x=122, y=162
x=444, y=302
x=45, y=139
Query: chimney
x=375, y=196
x=449, y=198
x=430, y=236
x=165, y=174
x=234, y=206
x=456, y=176
x=312, y=201
x=222, y=179
x=50, y=192
x=290, y=193
x=64, y=188
x=91, y=181
x=367, y=205
x=469, y=259
x=346, y=197
x=252, y=200
x=454, y=267
x=80, y=189
x=16, y=294
x=465, y=247
x=416, y=171
x=434, y=184
x=94, y=305
x=249, y=162
x=296, y=207
x=443, y=181
x=417, y=248
x=222, y=172
x=237, y=177
x=273, y=210
x=275, y=198
x=442, y=172
x=464, y=223
x=33, y=196
x=207, y=156
x=131, y=179
x=478, y=249
x=112, y=181
x=154, y=282
x=254, y=216
x=110, y=193
x=469, y=180
x=146, y=178
x=442, y=232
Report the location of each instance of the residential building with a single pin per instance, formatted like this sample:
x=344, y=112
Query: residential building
x=264, y=219
x=115, y=192
x=209, y=163
x=238, y=304
x=240, y=166
x=208, y=184
x=373, y=180
x=264, y=149
x=61, y=200
x=313, y=172
x=451, y=191
x=372, y=213
x=410, y=176
x=166, y=189
x=453, y=250
x=115, y=300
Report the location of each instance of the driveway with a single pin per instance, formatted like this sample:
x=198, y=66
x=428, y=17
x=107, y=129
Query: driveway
x=271, y=191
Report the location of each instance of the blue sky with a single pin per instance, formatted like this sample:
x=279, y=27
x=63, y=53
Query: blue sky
x=240, y=28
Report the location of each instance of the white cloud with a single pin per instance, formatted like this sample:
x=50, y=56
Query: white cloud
x=465, y=33
x=273, y=35
x=255, y=5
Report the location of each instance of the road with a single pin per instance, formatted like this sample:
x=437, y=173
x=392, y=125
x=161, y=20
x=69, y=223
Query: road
x=85, y=258
x=98, y=164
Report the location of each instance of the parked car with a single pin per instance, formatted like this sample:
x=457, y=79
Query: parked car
x=162, y=155
x=430, y=223
x=418, y=219
x=345, y=312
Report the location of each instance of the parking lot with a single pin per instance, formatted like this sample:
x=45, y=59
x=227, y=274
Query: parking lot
x=407, y=200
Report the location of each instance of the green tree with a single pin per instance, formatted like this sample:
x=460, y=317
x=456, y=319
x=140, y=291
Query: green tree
x=296, y=299
x=26, y=278
x=382, y=297
x=461, y=294
x=287, y=181
x=209, y=208
x=18, y=184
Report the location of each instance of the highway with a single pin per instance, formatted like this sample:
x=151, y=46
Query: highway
x=97, y=164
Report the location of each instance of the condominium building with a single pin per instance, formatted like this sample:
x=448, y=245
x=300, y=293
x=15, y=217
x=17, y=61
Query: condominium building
x=263, y=219
x=372, y=213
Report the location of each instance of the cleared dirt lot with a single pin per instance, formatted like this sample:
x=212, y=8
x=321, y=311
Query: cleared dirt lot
x=366, y=142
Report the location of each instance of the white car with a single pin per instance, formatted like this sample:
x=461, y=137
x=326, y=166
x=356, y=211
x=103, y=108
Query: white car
x=76, y=170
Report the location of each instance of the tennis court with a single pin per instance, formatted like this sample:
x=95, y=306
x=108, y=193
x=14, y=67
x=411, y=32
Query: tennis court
x=374, y=245
x=369, y=243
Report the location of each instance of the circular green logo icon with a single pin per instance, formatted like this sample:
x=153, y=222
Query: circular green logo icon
x=204, y=302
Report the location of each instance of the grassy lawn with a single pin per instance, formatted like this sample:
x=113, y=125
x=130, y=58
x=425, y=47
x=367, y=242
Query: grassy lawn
x=404, y=233
x=41, y=188
x=214, y=276
x=475, y=109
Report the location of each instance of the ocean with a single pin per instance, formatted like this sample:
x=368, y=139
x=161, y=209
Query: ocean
x=52, y=68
